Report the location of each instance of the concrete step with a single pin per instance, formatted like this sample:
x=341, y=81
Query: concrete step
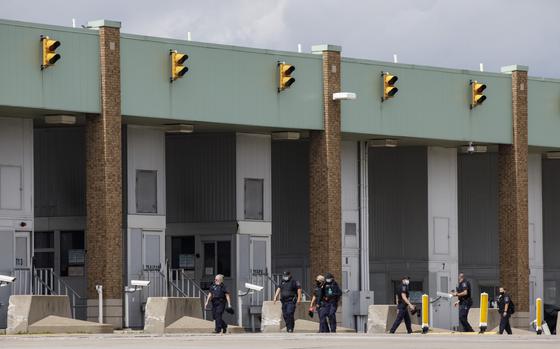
x=58, y=324
x=188, y=324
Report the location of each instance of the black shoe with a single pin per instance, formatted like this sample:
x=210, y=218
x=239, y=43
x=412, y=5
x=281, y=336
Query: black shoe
x=224, y=330
x=216, y=332
x=290, y=331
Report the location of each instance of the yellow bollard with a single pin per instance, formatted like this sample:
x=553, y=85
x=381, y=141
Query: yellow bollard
x=483, y=325
x=425, y=313
x=539, y=318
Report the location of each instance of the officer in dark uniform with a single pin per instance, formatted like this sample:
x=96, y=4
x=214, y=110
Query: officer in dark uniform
x=506, y=308
x=403, y=303
x=219, y=296
x=289, y=292
x=331, y=296
x=463, y=293
x=318, y=304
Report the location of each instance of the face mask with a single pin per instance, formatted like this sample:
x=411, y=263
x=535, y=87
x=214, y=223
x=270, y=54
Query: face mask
x=329, y=281
x=318, y=283
x=406, y=282
x=502, y=293
x=285, y=278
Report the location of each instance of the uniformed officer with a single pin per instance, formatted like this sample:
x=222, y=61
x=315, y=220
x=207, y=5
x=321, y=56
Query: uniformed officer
x=403, y=303
x=289, y=292
x=219, y=296
x=318, y=304
x=463, y=293
x=331, y=296
x=506, y=308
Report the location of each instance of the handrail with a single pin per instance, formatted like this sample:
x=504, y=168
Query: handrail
x=44, y=276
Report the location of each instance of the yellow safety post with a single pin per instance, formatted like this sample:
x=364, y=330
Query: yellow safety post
x=425, y=313
x=483, y=325
x=539, y=318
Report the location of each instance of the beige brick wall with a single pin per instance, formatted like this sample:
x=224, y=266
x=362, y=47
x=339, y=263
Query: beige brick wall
x=324, y=182
x=104, y=176
x=513, y=200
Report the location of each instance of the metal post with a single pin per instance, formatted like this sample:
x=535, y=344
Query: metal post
x=126, y=316
x=539, y=316
x=483, y=312
x=99, y=289
x=425, y=313
x=240, y=306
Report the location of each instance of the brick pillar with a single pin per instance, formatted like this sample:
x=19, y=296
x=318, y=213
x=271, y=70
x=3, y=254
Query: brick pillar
x=324, y=175
x=513, y=196
x=104, y=235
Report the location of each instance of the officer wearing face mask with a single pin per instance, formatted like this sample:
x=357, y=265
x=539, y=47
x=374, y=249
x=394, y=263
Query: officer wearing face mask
x=403, y=303
x=331, y=296
x=219, y=296
x=318, y=304
x=463, y=293
x=506, y=308
x=290, y=294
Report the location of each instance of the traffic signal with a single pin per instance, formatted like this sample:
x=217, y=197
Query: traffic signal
x=49, y=47
x=389, y=89
x=476, y=93
x=177, y=67
x=285, y=79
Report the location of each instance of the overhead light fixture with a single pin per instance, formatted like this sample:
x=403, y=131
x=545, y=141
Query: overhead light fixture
x=179, y=128
x=344, y=96
x=471, y=149
x=383, y=143
x=285, y=136
x=553, y=155
x=60, y=119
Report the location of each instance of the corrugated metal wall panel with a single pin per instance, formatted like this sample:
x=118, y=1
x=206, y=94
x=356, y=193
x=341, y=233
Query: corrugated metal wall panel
x=60, y=178
x=200, y=177
x=398, y=204
x=551, y=213
x=478, y=210
x=290, y=198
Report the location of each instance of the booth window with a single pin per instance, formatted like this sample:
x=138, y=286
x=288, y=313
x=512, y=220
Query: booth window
x=43, y=243
x=254, y=198
x=72, y=257
x=146, y=191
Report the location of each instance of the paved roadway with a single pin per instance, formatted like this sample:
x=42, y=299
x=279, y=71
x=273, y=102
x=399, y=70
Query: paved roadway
x=280, y=341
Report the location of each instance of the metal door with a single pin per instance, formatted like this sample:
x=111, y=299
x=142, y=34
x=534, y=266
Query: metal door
x=442, y=308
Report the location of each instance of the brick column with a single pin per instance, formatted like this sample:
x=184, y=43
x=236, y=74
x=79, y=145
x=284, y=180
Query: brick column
x=104, y=235
x=513, y=197
x=324, y=175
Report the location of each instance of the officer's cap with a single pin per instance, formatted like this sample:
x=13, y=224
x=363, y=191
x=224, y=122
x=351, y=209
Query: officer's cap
x=286, y=273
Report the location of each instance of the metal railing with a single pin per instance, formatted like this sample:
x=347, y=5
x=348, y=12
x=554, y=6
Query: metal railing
x=46, y=282
x=270, y=284
x=24, y=284
x=188, y=287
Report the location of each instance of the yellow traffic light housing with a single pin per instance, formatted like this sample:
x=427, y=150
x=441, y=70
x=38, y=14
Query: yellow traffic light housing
x=285, y=80
x=49, y=56
x=177, y=67
x=389, y=88
x=477, y=97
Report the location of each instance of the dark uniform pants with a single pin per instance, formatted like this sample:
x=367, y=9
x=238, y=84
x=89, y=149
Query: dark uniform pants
x=331, y=314
x=288, y=310
x=323, y=311
x=504, y=324
x=217, y=312
x=463, y=317
x=402, y=315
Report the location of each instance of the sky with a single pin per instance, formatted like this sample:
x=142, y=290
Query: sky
x=445, y=33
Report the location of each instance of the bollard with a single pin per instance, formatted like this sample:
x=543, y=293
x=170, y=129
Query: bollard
x=483, y=325
x=539, y=316
x=425, y=313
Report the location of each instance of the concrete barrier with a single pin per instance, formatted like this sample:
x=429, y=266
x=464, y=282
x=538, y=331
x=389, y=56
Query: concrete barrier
x=493, y=318
x=382, y=316
x=47, y=314
x=161, y=312
x=272, y=320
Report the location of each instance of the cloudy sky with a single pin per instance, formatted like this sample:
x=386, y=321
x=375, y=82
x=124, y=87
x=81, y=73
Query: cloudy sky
x=448, y=33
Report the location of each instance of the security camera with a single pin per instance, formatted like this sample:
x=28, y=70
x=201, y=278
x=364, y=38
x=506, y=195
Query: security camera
x=6, y=279
x=253, y=287
x=140, y=283
x=470, y=148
